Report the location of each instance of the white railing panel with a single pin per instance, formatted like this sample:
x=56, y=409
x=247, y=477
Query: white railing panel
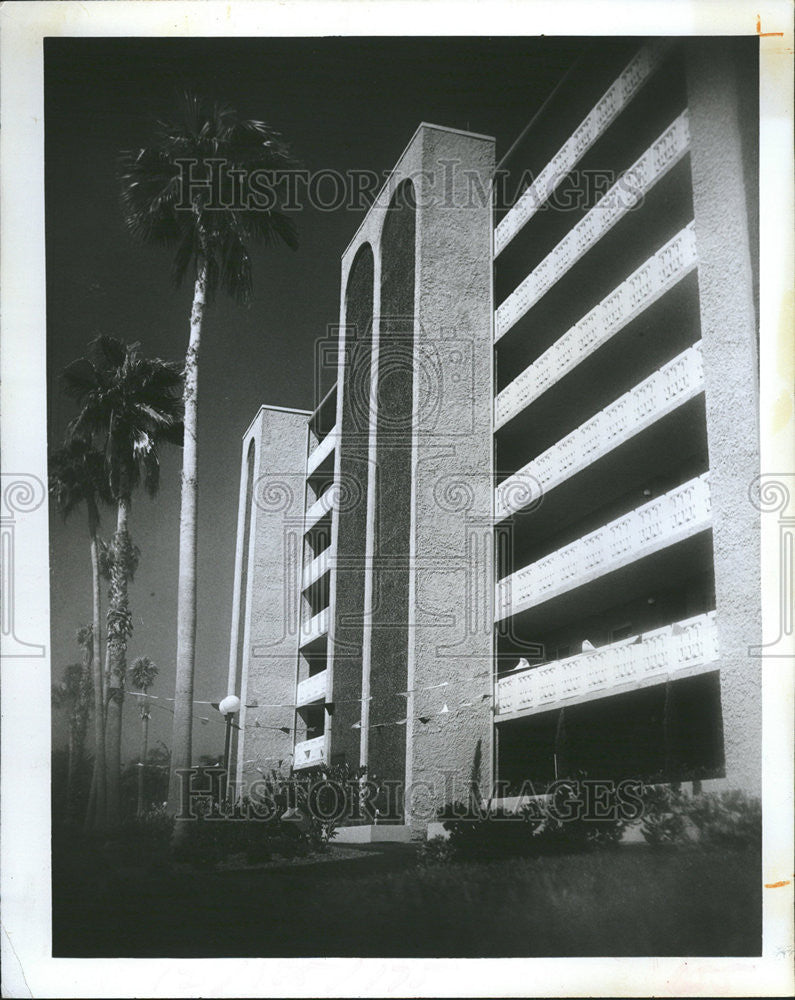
x=320, y=508
x=641, y=289
x=670, y=518
x=309, y=753
x=312, y=688
x=684, y=648
x=322, y=451
x=594, y=125
x=315, y=627
x=315, y=569
x=663, y=391
x=624, y=195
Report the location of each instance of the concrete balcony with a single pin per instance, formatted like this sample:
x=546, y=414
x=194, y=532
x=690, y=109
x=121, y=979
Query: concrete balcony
x=628, y=300
x=322, y=451
x=315, y=628
x=680, y=650
x=626, y=194
x=322, y=506
x=664, y=521
x=591, y=128
x=309, y=753
x=312, y=688
x=665, y=390
x=317, y=568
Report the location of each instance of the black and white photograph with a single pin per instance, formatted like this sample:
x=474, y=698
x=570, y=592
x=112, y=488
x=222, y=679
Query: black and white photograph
x=398, y=499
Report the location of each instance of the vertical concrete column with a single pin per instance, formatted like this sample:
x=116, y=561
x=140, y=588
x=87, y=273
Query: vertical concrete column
x=393, y=425
x=266, y=614
x=347, y=590
x=729, y=339
x=451, y=581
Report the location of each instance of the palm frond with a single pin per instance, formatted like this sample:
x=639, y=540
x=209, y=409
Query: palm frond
x=156, y=209
x=129, y=403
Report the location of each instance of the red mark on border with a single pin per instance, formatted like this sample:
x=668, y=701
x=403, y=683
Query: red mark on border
x=777, y=885
x=767, y=34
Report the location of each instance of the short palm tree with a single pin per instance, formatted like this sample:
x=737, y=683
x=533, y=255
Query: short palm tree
x=74, y=694
x=77, y=477
x=129, y=406
x=211, y=244
x=143, y=675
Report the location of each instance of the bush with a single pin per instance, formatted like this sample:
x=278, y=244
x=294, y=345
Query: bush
x=220, y=831
x=148, y=837
x=435, y=851
x=538, y=828
x=726, y=819
x=286, y=819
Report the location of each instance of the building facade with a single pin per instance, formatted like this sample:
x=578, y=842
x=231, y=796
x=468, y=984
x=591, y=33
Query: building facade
x=514, y=542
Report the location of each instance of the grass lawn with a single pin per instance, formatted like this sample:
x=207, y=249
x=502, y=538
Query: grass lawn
x=629, y=901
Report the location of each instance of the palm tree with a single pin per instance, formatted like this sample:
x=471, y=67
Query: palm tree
x=144, y=674
x=74, y=694
x=76, y=476
x=211, y=240
x=129, y=406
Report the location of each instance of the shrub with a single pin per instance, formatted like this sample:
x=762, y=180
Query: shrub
x=148, y=837
x=548, y=825
x=435, y=851
x=664, y=816
x=499, y=834
x=729, y=819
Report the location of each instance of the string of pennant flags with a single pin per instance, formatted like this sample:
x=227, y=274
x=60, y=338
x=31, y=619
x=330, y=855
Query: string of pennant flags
x=423, y=718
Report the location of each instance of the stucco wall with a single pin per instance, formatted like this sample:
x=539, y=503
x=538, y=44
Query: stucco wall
x=392, y=500
x=345, y=635
x=442, y=474
x=729, y=338
x=451, y=630
x=270, y=621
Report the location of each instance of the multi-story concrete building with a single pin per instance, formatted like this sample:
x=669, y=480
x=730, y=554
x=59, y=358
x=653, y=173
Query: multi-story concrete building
x=515, y=542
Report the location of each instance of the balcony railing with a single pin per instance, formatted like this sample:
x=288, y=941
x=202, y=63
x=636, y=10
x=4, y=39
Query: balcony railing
x=624, y=195
x=643, y=287
x=320, y=508
x=683, y=649
x=314, y=628
x=312, y=688
x=603, y=114
x=315, y=569
x=649, y=401
x=668, y=519
x=322, y=451
x=308, y=753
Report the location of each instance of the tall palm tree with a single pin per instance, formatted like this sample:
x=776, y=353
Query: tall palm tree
x=129, y=406
x=166, y=200
x=76, y=476
x=144, y=673
x=74, y=694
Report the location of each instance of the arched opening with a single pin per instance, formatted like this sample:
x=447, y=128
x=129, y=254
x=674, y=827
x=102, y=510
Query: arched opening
x=394, y=434
x=348, y=631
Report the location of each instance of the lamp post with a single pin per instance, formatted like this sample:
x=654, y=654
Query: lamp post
x=228, y=708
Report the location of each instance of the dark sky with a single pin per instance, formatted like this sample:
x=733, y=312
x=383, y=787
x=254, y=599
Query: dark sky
x=343, y=104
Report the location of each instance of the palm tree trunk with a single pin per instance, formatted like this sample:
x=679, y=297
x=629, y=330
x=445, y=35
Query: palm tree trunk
x=181, y=744
x=88, y=823
x=95, y=815
x=70, y=773
x=118, y=631
x=142, y=760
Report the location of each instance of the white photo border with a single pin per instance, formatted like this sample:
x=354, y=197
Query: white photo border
x=28, y=967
